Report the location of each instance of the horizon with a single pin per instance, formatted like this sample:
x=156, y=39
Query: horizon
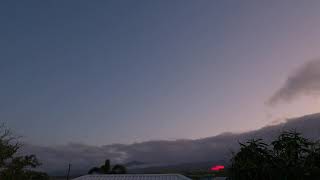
x=124, y=72
x=152, y=156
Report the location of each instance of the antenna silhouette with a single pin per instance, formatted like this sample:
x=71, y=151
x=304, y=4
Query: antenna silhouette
x=68, y=171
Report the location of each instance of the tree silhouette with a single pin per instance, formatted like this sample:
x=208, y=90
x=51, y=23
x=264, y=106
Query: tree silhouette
x=246, y=164
x=106, y=169
x=290, y=153
x=312, y=162
x=13, y=166
x=290, y=156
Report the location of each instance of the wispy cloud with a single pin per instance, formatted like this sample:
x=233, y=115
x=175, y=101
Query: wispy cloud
x=305, y=81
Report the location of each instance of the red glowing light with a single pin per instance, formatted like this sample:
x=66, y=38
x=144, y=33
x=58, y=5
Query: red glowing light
x=217, y=168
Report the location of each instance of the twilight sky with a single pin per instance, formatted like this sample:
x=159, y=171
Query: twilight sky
x=101, y=72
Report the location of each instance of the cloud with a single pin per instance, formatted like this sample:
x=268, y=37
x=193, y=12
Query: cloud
x=305, y=81
x=55, y=160
x=215, y=149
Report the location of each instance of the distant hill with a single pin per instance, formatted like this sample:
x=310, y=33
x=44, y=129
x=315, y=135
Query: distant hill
x=155, y=156
x=134, y=163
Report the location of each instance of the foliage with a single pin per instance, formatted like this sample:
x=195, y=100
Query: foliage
x=118, y=169
x=290, y=156
x=106, y=169
x=13, y=166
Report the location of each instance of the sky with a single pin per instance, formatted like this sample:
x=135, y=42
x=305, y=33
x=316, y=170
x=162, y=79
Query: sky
x=103, y=72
